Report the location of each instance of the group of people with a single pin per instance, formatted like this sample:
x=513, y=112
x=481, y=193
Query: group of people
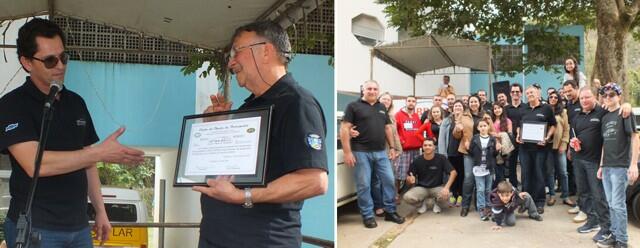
x=459, y=146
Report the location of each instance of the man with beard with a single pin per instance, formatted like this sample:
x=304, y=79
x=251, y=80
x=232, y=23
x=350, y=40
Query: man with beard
x=407, y=124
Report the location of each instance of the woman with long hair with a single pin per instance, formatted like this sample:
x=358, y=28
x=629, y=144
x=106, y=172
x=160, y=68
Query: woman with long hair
x=501, y=124
x=432, y=124
x=455, y=132
x=557, y=156
x=572, y=72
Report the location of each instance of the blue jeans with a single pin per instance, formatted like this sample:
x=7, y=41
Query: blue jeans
x=614, y=181
x=483, y=188
x=376, y=162
x=532, y=162
x=52, y=239
x=513, y=167
x=591, y=198
x=557, y=166
x=376, y=191
x=468, y=183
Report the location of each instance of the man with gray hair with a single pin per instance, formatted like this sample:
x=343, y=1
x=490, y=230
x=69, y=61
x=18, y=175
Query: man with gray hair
x=297, y=158
x=368, y=154
x=533, y=155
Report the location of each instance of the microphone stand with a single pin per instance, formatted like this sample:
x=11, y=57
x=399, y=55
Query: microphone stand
x=26, y=237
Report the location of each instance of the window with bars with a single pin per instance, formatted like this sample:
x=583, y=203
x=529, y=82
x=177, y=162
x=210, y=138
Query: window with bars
x=88, y=41
x=508, y=57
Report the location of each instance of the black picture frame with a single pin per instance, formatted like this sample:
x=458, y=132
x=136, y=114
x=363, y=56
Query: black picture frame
x=523, y=129
x=241, y=181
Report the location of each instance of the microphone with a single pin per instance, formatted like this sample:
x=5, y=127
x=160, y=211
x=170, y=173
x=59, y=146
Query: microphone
x=54, y=88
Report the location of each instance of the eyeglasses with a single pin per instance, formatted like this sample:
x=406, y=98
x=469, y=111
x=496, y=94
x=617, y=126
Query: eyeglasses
x=234, y=51
x=52, y=61
x=515, y=92
x=553, y=97
x=609, y=95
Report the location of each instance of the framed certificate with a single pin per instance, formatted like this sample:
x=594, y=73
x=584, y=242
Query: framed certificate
x=533, y=132
x=230, y=143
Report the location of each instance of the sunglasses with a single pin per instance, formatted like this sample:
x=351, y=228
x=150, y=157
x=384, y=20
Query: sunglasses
x=52, y=61
x=234, y=51
x=553, y=97
x=610, y=95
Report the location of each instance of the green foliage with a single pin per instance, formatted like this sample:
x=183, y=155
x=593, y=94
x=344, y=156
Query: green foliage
x=633, y=86
x=140, y=178
x=498, y=21
x=217, y=61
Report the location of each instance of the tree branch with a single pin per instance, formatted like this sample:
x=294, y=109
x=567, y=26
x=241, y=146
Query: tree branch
x=633, y=9
x=621, y=6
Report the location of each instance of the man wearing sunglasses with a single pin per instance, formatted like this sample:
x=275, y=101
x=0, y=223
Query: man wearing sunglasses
x=297, y=157
x=68, y=172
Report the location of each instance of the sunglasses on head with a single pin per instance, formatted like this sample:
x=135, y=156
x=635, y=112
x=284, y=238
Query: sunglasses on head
x=52, y=61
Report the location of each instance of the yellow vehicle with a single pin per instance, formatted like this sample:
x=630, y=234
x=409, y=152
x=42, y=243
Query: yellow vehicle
x=123, y=205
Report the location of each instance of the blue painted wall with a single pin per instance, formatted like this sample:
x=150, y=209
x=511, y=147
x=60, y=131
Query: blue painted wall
x=544, y=78
x=314, y=74
x=150, y=100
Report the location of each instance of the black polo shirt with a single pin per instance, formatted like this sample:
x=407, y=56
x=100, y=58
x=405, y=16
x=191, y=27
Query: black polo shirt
x=515, y=114
x=429, y=173
x=573, y=109
x=540, y=113
x=60, y=201
x=370, y=121
x=297, y=124
x=587, y=127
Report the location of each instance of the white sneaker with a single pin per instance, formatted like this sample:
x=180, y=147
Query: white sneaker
x=423, y=208
x=580, y=217
x=574, y=210
x=436, y=208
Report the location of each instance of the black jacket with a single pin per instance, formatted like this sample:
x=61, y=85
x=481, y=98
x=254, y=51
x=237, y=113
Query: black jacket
x=500, y=209
x=475, y=150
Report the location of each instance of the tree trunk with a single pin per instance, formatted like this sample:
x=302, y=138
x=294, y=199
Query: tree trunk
x=611, y=49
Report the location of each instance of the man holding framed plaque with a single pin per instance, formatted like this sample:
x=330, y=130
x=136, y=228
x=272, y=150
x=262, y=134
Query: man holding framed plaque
x=535, y=133
x=296, y=156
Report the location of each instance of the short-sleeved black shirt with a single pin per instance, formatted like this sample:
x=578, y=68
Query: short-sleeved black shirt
x=573, y=109
x=370, y=121
x=429, y=173
x=297, y=117
x=515, y=114
x=60, y=201
x=587, y=127
x=540, y=113
x=616, y=134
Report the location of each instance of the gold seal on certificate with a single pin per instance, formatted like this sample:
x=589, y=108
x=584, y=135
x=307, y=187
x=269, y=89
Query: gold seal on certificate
x=533, y=132
x=230, y=143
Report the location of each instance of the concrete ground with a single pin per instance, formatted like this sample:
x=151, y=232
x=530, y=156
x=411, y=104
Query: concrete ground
x=449, y=230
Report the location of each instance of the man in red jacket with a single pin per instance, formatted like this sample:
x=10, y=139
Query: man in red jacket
x=407, y=123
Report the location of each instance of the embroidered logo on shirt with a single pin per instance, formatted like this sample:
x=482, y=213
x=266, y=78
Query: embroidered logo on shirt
x=314, y=141
x=595, y=120
x=382, y=112
x=81, y=122
x=10, y=127
x=539, y=115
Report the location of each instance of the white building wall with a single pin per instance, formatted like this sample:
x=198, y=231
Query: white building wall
x=353, y=59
